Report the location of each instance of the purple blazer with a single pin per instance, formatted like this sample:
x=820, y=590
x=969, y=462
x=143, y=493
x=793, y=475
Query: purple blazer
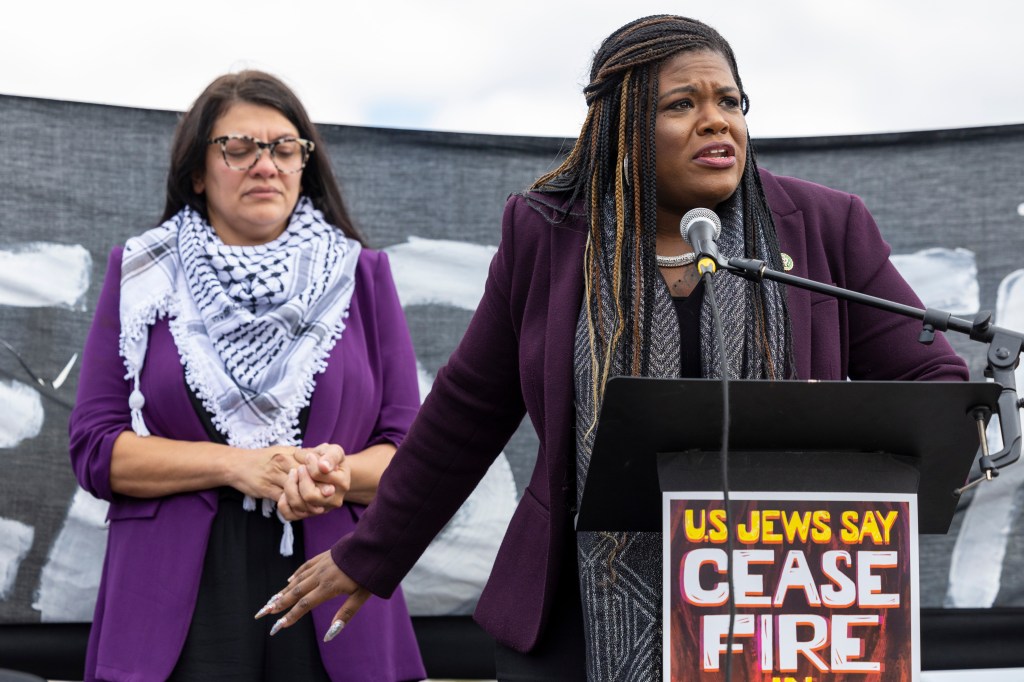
x=368, y=394
x=517, y=357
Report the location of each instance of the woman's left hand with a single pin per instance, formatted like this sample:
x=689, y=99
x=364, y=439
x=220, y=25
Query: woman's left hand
x=318, y=482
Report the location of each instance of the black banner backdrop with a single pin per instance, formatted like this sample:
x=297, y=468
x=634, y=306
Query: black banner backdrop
x=78, y=179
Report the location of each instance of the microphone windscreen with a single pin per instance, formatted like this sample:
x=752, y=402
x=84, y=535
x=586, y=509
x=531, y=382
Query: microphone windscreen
x=696, y=214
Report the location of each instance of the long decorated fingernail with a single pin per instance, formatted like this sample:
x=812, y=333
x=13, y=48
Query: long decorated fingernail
x=277, y=626
x=269, y=606
x=336, y=627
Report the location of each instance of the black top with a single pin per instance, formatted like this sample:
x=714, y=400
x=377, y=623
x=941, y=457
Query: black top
x=688, y=310
x=243, y=564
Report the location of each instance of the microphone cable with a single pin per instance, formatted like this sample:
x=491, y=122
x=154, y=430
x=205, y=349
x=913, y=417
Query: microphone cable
x=707, y=267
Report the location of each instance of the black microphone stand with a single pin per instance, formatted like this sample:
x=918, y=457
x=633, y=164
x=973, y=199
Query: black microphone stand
x=1004, y=350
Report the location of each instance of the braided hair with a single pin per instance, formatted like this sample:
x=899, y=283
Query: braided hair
x=613, y=163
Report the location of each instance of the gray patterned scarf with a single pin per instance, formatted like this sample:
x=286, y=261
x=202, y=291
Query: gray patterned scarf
x=620, y=573
x=253, y=324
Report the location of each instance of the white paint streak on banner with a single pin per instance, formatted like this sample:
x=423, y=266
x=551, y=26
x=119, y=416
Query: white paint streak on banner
x=440, y=271
x=450, y=575
x=42, y=274
x=15, y=541
x=69, y=581
x=976, y=568
x=448, y=578
x=946, y=279
x=22, y=415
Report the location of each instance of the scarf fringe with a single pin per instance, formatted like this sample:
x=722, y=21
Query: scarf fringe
x=133, y=342
x=156, y=262
x=287, y=537
x=284, y=429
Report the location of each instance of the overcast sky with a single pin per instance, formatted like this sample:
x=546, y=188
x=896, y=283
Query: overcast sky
x=811, y=67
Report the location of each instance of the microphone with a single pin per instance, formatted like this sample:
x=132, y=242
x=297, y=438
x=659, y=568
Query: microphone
x=700, y=228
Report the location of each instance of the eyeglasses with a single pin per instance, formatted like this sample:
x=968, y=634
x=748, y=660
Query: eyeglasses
x=241, y=152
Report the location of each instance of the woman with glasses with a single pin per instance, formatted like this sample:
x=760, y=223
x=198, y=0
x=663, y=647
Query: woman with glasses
x=246, y=380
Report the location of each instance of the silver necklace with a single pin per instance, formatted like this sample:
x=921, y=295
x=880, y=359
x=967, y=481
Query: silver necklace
x=676, y=261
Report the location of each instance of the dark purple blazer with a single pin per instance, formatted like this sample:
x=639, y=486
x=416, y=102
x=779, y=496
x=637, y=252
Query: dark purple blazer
x=155, y=549
x=517, y=357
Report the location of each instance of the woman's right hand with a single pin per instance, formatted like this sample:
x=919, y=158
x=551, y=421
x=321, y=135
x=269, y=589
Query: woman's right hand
x=316, y=581
x=152, y=466
x=263, y=472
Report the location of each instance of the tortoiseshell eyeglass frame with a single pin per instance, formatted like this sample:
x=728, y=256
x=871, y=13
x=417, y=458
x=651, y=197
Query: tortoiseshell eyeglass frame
x=307, y=150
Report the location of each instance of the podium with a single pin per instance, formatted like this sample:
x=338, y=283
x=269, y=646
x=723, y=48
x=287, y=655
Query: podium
x=811, y=571
x=657, y=435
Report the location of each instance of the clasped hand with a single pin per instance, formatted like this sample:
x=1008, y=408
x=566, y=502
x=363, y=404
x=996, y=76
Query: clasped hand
x=317, y=485
x=303, y=482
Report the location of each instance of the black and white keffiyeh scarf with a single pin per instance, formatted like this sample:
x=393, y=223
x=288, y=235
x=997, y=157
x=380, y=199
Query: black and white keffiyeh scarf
x=620, y=573
x=253, y=324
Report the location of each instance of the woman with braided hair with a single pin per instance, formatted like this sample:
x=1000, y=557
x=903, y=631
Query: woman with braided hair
x=591, y=280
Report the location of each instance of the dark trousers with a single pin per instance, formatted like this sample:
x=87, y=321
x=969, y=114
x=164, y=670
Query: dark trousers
x=243, y=568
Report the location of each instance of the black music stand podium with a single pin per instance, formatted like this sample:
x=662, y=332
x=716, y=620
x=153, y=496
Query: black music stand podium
x=659, y=435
